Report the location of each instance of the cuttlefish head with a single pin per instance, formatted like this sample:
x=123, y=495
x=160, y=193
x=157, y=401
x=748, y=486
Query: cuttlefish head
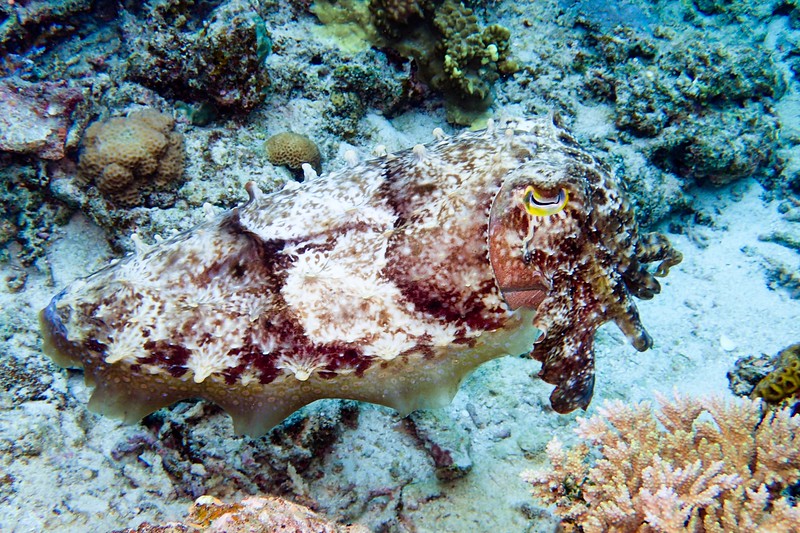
x=563, y=241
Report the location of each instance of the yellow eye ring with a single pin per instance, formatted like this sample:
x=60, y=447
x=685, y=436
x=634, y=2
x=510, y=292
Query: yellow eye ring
x=542, y=206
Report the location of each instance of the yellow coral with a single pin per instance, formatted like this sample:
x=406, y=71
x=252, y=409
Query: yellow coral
x=689, y=473
x=784, y=381
x=292, y=150
x=127, y=156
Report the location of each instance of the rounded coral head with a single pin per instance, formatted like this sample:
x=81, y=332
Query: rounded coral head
x=292, y=150
x=128, y=157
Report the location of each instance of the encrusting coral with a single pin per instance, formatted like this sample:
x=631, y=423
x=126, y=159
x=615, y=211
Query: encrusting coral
x=701, y=465
x=127, y=156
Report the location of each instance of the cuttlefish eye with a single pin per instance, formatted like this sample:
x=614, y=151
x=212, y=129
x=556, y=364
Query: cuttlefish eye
x=539, y=205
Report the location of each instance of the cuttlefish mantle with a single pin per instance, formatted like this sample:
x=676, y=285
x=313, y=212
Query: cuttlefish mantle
x=387, y=282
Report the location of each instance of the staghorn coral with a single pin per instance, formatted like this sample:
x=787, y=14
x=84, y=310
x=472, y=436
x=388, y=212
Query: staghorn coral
x=784, y=381
x=292, y=150
x=676, y=469
x=128, y=156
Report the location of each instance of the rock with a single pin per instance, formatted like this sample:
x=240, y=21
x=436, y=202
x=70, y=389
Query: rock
x=35, y=118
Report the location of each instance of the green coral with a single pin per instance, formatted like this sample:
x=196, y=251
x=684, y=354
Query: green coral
x=784, y=381
x=472, y=59
x=198, y=56
x=454, y=54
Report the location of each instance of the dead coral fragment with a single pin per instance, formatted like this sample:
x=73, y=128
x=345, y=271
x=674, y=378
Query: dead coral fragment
x=129, y=156
x=292, y=150
x=687, y=473
x=251, y=514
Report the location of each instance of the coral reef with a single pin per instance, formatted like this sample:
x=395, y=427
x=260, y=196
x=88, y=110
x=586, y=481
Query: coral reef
x=472, y=59
x=784, y=381
x=453, y=53
x=36, y=118
x=742, y=9
x=293, y=150
x=131, y=156
x=263, y=514
x=725, y=473
x=35, y=21
x=181, y=49
x=690, y=98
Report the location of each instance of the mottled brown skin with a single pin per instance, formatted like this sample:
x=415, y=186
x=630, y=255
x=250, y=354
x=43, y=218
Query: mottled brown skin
x=387, y=282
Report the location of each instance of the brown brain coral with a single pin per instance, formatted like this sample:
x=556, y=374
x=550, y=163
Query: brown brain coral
x=292, y=150
x=129, y=156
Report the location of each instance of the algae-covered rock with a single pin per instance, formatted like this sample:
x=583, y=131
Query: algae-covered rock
x=36, y=21
x=718, y=148
x=703, y=100
x=188, y=53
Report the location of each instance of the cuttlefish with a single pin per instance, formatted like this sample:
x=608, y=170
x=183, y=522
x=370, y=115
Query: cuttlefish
x=388, y=281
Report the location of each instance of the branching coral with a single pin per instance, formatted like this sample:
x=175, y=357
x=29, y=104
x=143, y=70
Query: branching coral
x=696, y=465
